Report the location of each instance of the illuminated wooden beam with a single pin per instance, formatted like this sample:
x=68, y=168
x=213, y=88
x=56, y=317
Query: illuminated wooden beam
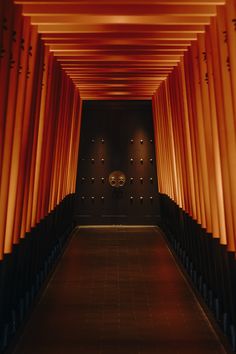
x=114, y=93
x=107, y=87
x=118, y=80
x=125, y=2
x=126, y=51
x=116, y=76
x=141, y=58
x=124, y=28
x=106, y=43
x=115, y=72
x=117, y=10
x=123, y=88
x=108, y=64
x=86, y=97
x=121, y=75
x=125, y=67
x=97, y=54
x=103, y=47
x=119, y=37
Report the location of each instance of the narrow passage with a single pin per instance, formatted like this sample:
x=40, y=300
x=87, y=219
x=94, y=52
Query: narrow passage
x=118, y=291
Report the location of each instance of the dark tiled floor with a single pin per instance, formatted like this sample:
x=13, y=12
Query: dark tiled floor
x=118, y=291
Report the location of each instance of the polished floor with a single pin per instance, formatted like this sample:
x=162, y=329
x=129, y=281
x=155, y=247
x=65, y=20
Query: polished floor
x=118, y=291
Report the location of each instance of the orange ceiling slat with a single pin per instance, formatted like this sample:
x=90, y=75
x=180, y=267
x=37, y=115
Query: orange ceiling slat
x=125, y=2
x=113, y=11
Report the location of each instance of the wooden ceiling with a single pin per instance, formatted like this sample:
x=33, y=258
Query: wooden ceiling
x=119, y=49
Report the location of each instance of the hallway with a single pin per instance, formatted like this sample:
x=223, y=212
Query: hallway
x=117, y=113
x=118, y=290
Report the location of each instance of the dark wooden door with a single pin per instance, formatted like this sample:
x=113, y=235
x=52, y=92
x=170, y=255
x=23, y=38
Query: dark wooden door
x=117, y=135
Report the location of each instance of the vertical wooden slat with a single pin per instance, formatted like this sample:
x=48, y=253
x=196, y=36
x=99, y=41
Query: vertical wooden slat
x=6, y=114
x=7, y=18
x=17, y=138
x=7, y=197
x=215, y=141
x=35, y=114
x=229, y=118
x=207, y=131
x=39, y=148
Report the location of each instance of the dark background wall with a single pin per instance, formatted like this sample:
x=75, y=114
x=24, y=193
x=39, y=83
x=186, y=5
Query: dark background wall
x=107, y=131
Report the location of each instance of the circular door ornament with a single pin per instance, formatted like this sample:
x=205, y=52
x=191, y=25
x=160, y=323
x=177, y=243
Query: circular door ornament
x=117, y=179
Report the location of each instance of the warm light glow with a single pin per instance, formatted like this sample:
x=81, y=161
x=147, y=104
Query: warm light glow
x=194, y=119
x=142, y=37
x=118, y=50
x=38, y=160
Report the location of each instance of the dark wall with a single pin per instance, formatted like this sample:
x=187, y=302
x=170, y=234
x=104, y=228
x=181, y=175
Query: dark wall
x=25, y=271
x=210, y=266
x=107, y=131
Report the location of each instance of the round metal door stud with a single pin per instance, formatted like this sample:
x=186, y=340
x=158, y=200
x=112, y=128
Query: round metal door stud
x=117, y=179
x=112, y=181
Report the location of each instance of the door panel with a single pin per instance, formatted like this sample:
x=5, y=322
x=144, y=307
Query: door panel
x=117, y=135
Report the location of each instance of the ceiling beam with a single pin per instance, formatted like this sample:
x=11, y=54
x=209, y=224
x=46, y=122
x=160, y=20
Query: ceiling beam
x=118, y=37
x=117, y=10
x=119, y=49
x=123, y=2
x=117, y=28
